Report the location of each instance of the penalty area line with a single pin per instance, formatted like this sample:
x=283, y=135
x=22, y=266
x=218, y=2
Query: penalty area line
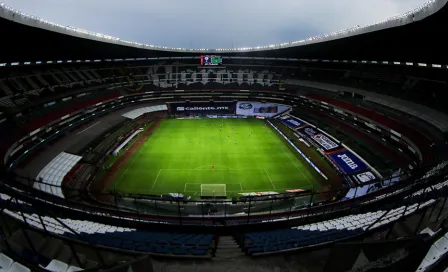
x=134, y=158
x=269, y=178
x=286, y=152
x=157, y=177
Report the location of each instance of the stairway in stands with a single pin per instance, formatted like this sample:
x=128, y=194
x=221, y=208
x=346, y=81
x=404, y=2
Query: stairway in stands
x=228, y=248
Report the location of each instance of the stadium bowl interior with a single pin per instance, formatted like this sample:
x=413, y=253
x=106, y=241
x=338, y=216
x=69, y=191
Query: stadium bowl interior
x=126, y=155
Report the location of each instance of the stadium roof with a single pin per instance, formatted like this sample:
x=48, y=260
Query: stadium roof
x=416, y=36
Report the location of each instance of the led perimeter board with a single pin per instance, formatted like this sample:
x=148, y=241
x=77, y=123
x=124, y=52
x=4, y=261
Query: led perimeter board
x=211, y=60
x=202, y=108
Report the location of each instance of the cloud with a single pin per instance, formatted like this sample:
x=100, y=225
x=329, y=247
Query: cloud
x=214, y=23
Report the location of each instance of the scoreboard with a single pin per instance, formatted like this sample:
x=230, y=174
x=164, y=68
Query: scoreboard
x=211, y=60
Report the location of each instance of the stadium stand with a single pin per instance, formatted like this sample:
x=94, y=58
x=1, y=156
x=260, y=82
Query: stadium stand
x=356, y=136
x=48, y=228
x=64, y=113
x=139, y=112
x=112, y=137
x=118, y=237
x=53, y=174
x=323, y=232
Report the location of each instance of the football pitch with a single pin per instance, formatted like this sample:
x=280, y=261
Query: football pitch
x=214, y=157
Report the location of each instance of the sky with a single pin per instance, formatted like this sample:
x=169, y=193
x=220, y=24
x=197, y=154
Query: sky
x=214, y=23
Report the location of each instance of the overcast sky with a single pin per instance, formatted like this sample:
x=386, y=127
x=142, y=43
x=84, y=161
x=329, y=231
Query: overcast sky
x=214, y=23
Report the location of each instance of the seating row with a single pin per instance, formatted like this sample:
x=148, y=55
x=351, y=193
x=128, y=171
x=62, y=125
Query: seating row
x=8, y=265
x=139, y=112
x=119, y=237
x=325, y=231
x=54, y=172
x=415, y=136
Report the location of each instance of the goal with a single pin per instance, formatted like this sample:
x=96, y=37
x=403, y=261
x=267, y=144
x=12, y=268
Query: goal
x=213, y=190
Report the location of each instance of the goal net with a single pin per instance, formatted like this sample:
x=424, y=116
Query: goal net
x=211, y=190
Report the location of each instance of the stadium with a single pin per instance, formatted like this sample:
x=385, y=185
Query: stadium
x=324, y=154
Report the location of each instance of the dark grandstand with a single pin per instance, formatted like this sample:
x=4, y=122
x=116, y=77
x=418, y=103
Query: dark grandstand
x=380, y=90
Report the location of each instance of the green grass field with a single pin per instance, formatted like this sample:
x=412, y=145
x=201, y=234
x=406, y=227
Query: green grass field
x=247, y=157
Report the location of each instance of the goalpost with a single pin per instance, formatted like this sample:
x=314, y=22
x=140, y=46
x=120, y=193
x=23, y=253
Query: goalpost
x=211, y=190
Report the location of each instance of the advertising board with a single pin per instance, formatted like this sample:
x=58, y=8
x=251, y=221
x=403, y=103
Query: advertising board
x=292, y=122
x=348, y=162
x=203, y=108
x=259, y=109
x=364, y=177
x=319, y=138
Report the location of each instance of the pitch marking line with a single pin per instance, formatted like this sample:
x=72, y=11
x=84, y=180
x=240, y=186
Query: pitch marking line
x=154, y=183
x=200, y=167
x=293, y=162
x=269, y=178
x=186, y=185
x=133, y=160
x=195, y=169
x=88, y=127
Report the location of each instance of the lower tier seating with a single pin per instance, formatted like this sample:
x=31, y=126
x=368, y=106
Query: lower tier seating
x=204, y=244
x=255, y=243
x=8, y=265
x=436, y=252
x=155, y=242
x=123, y=238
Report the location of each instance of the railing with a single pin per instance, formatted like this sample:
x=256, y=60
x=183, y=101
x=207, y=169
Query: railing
x=419, y=197
x=218, y=212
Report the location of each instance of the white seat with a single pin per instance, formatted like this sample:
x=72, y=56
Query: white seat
x=424, y=265
x=17, y=267
x=74, y=268
x=442, y=245
x=433, y=254
x=5, y=262
x=56, y=266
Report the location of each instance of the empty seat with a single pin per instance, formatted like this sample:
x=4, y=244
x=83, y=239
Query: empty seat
x=17, y=267
x=56, y=266
x=74, y=268
x=5, y=262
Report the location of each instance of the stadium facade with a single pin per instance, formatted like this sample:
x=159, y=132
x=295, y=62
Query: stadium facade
x=368, y=97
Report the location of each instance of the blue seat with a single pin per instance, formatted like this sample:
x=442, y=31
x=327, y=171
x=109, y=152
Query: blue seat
x=145, y=248
x=203, y=243
x=162, y=242
x=177, y=242
x=180, y=251
x=162, y=250
x=198, y=252
x=254, y=250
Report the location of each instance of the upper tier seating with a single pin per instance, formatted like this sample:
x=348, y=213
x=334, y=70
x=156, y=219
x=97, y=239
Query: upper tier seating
x=54, y=173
